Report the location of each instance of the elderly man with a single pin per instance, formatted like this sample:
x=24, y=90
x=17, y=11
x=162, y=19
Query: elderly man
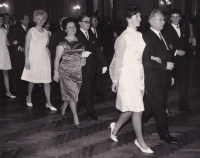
x=157, y=61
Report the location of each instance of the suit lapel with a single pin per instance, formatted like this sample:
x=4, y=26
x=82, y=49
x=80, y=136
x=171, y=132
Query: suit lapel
x=174, y=31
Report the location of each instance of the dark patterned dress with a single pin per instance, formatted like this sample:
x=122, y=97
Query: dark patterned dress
x=70, y=71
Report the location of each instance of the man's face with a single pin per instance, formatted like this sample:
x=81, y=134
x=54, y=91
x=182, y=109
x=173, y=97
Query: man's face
x=175, y=18
x=94, y=22
x=157, y=22
x=85, y=23
x=7, y=19
x=25, y=21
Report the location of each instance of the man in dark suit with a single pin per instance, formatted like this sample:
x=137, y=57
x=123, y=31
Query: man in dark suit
x=99, y=77
x=89, y=41
x=17, y=41
x=157, y=75
x=179, y=41
x=14, y=18
x=57, y=36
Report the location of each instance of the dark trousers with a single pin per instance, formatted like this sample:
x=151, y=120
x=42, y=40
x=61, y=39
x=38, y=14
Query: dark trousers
x=86, y=93
x=13, y=71
x=155, y=104
x=99, y=79
x=20, y=63
x=181, y=71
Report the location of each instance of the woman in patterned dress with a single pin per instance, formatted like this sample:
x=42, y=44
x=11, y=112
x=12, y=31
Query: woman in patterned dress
x=127, y=61
x=37, y=58
x=69, y=71
x=5, y=63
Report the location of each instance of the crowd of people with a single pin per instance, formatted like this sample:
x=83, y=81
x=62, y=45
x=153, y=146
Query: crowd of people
x=73, y=56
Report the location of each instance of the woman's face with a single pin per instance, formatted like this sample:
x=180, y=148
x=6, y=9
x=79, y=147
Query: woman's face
x=71, y=28
x=134, y=21
x=39, y=20
x=1, y=21
x=47, y=26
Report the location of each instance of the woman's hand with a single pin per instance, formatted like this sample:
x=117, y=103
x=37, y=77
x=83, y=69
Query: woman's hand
x=83, y=61
x=156, y=59
x=115, y=86
x=56, y=76
x=85, y=54
x=27, y=64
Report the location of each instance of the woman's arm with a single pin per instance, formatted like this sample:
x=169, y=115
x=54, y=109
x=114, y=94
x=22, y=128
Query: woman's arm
x=59, y=52
x=27, y=48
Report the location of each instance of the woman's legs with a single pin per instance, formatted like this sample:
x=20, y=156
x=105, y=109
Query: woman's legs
x=30, y=90
x=122, y=119
x=6, y=80
x=137, y=124
x=73, y=106
x=64, y=107
x=47, y=91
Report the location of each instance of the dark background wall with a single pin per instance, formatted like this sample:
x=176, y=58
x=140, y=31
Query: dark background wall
x=105, y=8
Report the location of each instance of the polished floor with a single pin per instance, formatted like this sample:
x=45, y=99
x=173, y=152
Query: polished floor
x=40, y=133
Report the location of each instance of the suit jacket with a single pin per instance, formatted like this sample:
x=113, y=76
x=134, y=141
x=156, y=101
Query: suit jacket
x=155, y=73
x=99, y=35
x=92, y=46
x=57, y=36
x=17, y=33
x=177, y=43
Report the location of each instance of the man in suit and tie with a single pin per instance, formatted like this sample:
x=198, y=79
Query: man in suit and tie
x=157, y=75
x=99, y=77
x=89, y=41
x=57, y=36
x=178, y=41
x=17, y=41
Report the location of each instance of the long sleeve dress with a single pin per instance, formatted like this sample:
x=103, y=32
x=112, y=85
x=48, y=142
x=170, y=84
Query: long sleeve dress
x=126, y=68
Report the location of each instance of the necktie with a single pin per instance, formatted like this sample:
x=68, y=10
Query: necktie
x=95, y=32
x=86, y=33
x=161, y=38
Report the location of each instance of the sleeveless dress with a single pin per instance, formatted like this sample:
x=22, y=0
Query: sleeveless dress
x=126, y=68
x=70, y=70
x=5, y=63
x=40, y=71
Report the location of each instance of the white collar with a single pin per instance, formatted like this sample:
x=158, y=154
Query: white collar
x=156, y=32
x=175, y=26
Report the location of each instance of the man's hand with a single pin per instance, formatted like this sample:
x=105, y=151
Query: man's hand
x=115, y=86
x=172, y=81
x=21, y=49
x=156, y=59
x=170, y=65
x=104, y=69
x=180, y=52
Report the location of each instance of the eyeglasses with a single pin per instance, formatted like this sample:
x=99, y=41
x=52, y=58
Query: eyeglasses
x=161, y=20
x=87, y=22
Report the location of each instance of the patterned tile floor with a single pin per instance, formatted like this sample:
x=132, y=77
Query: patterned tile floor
x=39, y=133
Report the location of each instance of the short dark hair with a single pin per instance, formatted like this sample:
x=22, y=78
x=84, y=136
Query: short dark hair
x=6, y=14
x=128, y=11
x=22, y=17
x=15, y=15
x=81, y=16
x=66, y=21
x=175, y=11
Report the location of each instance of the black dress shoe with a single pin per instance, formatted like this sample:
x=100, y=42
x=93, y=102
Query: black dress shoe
x=185, y=108
x=168, y=139
x=92, y=116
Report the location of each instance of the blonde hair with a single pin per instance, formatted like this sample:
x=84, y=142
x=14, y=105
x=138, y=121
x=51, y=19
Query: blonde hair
x=40, y=13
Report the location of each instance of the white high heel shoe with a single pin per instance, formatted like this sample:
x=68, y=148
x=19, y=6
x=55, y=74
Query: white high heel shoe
x=114, y=138
x=28, y=104
x=148, y=150
x=51, y=107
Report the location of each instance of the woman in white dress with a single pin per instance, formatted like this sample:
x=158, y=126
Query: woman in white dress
x=126, y=72
x=37, y=58
x=5, y=63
